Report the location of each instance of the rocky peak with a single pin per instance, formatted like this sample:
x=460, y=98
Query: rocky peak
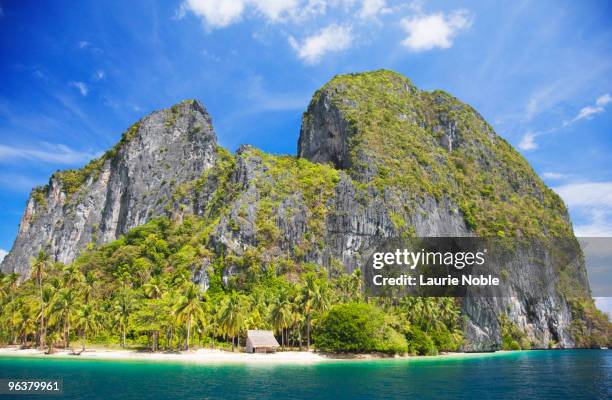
x=124, y=188
x=329, y=134
x=424, y=163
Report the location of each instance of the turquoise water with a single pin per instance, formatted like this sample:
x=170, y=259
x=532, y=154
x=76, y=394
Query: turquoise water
x=572, y=374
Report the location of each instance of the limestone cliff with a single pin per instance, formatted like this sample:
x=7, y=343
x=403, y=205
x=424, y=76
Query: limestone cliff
x=425, y=164
x=377, y=158
x=122, y=189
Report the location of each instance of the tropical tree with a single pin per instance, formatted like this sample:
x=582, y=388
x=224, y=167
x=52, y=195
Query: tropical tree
x=22, y=312
x=88, y=319
x=73, y=277
x=151, y=318
x=190, y=307
x=315, y=298
x=88, y=286
x=62, y=311
x=123, y=307
x=297, y=319
x=281, y=314
x=38, y=269
x=8, y=286
x=154, y=288
x=231, y=316
x=46, y=297
x=53, y=338
x=349, y=287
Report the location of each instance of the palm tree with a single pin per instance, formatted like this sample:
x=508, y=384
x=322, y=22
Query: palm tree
x=449, y=312
x=123, y=307
x=231, y=316
x=16, y=320
x=73, y=276
x=62, y=310
x=154, y=288
x=38, y=268
x=281, y=316
x=53, y=338
x=25, y=317
x=315, y=298
x=213, y=328
x=8, y=286
x=350, y=286
x=46, y=297
x=87, y=320
x=190, y=307
x=297, y=318
x=88, y=286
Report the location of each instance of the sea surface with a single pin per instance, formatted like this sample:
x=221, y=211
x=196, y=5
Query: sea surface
x=568, y=374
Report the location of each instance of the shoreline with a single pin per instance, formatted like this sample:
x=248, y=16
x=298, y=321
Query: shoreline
x=209, y=356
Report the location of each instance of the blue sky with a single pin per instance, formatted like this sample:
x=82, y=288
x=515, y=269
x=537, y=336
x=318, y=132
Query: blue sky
x=74, y=75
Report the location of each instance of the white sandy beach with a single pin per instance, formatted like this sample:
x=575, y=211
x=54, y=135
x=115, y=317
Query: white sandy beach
x=208, y=356
x=198, y=356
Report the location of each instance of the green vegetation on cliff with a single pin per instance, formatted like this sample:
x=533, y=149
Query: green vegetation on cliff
x=430, y=143
x=137, y=291
x=590, y=327
x=308, y=185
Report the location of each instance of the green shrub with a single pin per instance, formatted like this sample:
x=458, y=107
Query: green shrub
x=444, y=340
x=421, y=343
x=513, y=345
x=512, y=337
x=358, y=328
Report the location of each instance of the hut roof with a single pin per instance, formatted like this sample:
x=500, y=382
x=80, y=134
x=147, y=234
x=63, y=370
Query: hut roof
x=262, y=338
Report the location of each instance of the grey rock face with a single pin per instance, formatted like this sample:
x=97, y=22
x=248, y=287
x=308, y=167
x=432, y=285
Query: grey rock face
x=356, y=226
x=132, y=185
x=325, y=134
x=538, y=310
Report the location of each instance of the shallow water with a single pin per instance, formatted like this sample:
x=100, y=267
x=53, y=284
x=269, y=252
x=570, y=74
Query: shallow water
x=570, y=374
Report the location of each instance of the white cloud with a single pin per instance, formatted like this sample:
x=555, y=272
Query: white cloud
x=3, y=252
x=603, y=100
x=223, y=13
x=276, y=10
x=587, y=194
x=426, y=32
x=83, y=44
x=44, y=152
x=593, y=199
x=99, y=75
x=588, y=111
x=371, y=8
x=215, y=13
x=553, y=175
x=528, y=142
x=333, y=38
x=599, y=226
x=604, y=304
x=544, y=99
x=81, y=87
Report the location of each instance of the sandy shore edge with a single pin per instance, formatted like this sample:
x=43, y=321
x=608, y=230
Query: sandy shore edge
x=208, y=356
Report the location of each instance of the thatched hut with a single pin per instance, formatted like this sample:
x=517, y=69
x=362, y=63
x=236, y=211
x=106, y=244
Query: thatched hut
x=261, y=342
